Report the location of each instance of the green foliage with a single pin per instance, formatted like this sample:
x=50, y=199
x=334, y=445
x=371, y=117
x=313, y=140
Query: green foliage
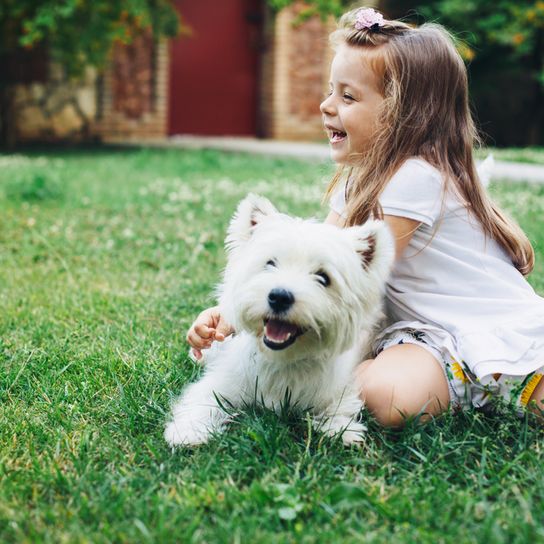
x=81, y=32
x=516, y=26
x=503, y=42
x=323, y=8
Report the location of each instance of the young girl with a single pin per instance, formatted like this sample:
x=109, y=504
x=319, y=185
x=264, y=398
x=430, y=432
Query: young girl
x=464, y=324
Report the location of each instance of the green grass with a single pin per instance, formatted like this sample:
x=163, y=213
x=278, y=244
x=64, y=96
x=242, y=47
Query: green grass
x=531, y=155
x=105, y=259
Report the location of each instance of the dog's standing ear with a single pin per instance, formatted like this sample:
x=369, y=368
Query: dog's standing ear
x=251, y=211
x=374, y=244
x=368, y=253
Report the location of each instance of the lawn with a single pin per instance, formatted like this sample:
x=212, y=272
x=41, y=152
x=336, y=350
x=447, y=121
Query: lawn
x=105, y=259
x=531, y=155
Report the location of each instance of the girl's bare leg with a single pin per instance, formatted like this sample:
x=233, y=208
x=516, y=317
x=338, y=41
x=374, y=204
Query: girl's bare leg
x=403, y=380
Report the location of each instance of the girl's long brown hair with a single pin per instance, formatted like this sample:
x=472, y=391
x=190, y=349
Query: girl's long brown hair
x=425, y=113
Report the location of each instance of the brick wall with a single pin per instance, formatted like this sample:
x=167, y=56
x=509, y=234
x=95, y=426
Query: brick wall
x=133, y=102
x=130, y=100
x=295, y=71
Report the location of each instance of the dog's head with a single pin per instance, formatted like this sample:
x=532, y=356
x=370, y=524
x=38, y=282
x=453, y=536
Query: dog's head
x=299, y=285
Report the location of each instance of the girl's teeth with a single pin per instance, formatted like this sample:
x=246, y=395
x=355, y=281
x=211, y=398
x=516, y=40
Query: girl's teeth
x=337, y=136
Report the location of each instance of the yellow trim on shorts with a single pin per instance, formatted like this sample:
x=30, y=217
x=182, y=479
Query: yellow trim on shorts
x=457, y=370
x=529, y=389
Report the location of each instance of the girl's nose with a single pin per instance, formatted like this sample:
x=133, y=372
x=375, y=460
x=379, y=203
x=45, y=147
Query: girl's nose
x=327, y=105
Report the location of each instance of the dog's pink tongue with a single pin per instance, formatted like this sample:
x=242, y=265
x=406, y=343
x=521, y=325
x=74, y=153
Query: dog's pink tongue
x=279, y=331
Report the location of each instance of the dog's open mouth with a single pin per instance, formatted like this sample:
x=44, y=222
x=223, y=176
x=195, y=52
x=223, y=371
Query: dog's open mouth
x=280, y=334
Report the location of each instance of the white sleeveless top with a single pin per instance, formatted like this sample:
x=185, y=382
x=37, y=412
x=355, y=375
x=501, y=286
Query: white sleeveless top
x=452, y=277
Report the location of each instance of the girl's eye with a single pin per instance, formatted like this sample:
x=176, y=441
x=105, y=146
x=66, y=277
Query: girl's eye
x=323, y=278
x=271, y=263
x=348, y=97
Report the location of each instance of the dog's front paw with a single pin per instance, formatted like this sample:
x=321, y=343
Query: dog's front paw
x=185, y=433
x=351, y=432
x=354, y=435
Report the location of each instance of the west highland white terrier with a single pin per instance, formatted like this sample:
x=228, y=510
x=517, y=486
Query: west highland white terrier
x=304, y=298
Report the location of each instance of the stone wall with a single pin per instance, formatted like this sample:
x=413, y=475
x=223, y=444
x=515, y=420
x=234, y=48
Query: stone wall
x=59, y=109
x=129, y=101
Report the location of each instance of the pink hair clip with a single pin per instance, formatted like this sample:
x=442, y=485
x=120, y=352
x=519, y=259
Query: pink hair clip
x=368, y=18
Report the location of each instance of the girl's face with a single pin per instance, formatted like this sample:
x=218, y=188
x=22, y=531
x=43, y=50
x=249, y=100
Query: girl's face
x=351, y=109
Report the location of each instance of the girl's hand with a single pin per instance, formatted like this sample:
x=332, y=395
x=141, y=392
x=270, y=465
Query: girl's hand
x=208, y=326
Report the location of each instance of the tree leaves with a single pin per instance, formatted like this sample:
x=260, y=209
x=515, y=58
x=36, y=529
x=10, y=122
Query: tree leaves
x=82, y=32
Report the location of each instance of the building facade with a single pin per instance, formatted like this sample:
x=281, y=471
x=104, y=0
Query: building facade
x=246, y=71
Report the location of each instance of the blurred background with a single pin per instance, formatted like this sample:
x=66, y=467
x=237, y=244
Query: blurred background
x=141, y=70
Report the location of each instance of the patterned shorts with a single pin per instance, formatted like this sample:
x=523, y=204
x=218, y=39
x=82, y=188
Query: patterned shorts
x=465, y=389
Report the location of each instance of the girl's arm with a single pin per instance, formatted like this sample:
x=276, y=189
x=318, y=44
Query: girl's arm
x=402, y=228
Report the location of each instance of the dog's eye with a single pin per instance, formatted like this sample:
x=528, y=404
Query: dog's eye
x=271, y=263
x=323, y=278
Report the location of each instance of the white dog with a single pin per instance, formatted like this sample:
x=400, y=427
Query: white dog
x=304, y=298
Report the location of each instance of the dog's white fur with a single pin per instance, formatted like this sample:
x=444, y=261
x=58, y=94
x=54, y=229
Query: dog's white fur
x=268, y=250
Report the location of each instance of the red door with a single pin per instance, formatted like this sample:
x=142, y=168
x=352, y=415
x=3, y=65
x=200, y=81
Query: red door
x=214, y=71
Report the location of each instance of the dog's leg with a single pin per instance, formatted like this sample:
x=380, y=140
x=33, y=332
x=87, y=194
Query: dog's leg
x=197, y=414
x=340, y=418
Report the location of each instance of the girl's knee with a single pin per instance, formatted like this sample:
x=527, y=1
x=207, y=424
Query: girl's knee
x=382, y=397
x=401, y=383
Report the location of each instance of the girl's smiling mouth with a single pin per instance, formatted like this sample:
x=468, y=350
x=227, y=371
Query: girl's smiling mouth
x=336, y=136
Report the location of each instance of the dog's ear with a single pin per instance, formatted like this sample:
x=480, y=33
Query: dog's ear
x=374, y=244
x=250, y=212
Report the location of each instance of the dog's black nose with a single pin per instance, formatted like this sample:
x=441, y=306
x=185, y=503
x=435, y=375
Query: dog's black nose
x=280, y=300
